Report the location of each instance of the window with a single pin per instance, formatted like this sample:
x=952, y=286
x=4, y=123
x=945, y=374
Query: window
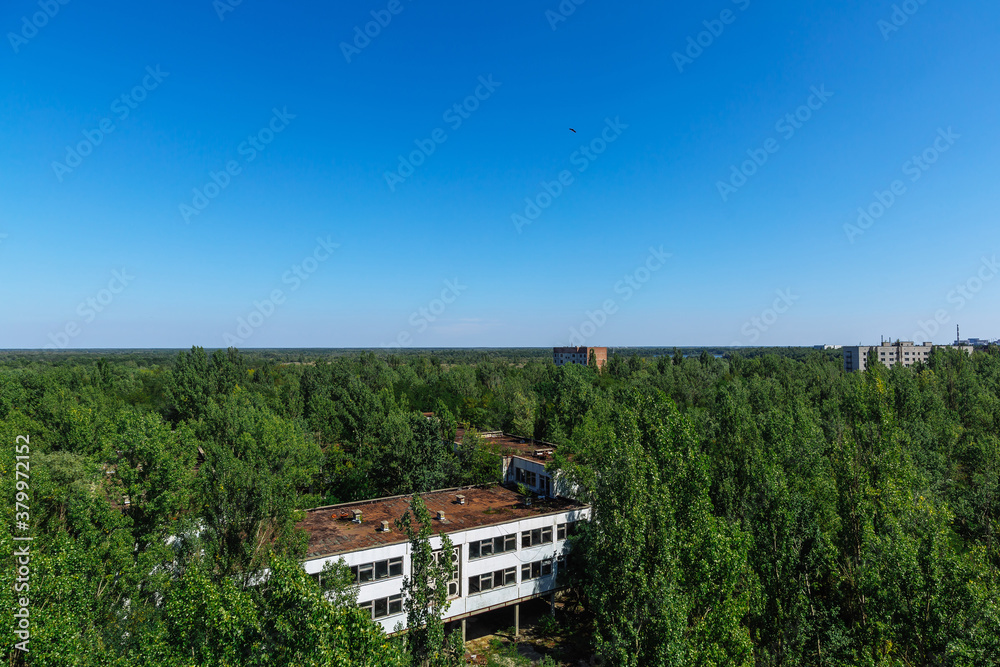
x=525, y=476
x=383, y=569
x=498, y=579
x=383, y=607
x=455, y=583
x=564, y=530
x=540, y=568
x=492, y=546
x=530, y=538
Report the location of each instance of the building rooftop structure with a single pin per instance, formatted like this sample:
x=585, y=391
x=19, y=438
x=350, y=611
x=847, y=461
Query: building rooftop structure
x=526, y=461
x=333, y=529
x=513, y=445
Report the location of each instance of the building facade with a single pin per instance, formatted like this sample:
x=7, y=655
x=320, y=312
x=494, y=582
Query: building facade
x=508, y=549
x=524, y=461
x=579, y=355
x=904, y=353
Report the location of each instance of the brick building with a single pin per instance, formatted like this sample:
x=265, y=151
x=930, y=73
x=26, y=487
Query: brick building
x=579, y=355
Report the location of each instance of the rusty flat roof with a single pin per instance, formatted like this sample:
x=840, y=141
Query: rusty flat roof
x=512, y=445
x=332, y=531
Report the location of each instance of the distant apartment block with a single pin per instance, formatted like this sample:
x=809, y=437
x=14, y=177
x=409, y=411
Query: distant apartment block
x=826, y=347
x=579, y=355
x=904, y=353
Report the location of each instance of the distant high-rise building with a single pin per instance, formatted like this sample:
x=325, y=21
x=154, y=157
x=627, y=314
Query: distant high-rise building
x=905, y=353
x=579, y=355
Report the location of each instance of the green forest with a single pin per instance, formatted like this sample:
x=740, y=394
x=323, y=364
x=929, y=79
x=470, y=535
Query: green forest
x=763, y=508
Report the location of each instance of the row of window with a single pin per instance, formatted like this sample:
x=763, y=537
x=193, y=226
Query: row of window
x=481, y=583
x=540, y=568
x=492, y=546
x=382, y=569
x=525, y=477
x=383, y=607
x=542, y=482
x=529, y=538
x=393, y=604
x=485, y=582
x=393, y=567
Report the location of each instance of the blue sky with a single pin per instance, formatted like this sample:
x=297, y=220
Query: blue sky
x=313, y=242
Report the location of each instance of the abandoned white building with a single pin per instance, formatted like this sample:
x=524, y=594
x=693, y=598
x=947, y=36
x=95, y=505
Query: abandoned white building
x=508, y=548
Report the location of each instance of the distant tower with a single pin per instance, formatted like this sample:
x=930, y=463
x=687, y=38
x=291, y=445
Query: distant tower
x=958, y=335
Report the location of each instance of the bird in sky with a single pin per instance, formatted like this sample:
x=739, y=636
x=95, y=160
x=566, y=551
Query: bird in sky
x=572, y=130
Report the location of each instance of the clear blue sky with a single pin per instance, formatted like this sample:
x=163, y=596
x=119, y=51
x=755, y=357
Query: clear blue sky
x=887, y=95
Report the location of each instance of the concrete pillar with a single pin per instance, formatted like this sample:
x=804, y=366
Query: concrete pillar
x=517, y=620
x=463, y=630
x=552, y=603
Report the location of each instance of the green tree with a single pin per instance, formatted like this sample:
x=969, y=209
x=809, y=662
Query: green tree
x=425, y=592
x=668, y=582
x=257, y=468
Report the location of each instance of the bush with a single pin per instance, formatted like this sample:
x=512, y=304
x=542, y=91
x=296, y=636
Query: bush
x=548, y=626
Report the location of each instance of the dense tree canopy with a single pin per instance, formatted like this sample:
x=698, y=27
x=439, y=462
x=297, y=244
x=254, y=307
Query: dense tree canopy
x=764, y=509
